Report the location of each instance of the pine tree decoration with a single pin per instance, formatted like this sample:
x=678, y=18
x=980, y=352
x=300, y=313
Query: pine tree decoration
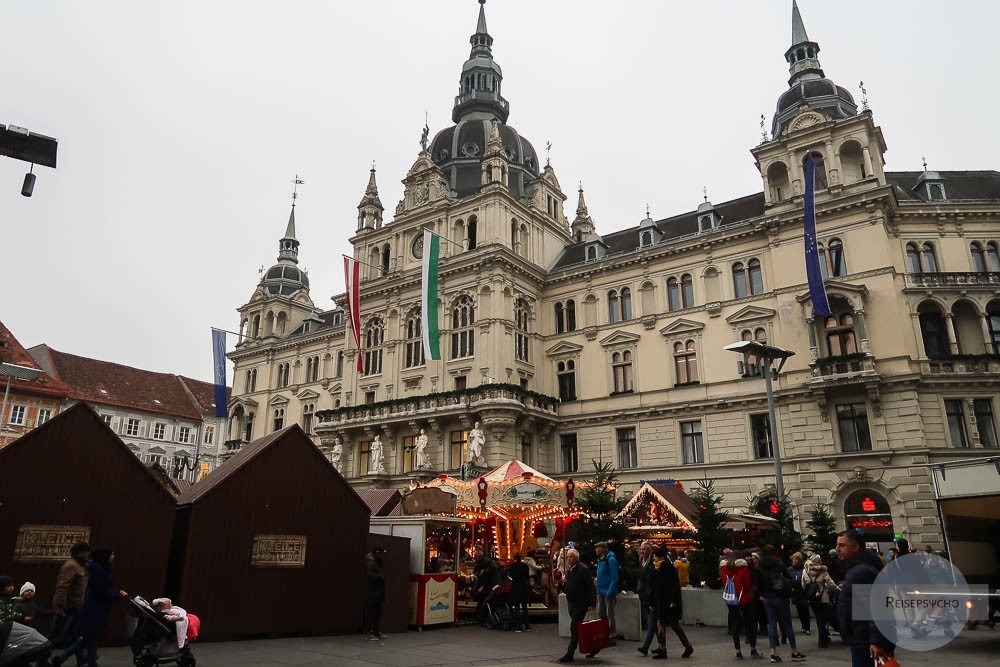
x=823, y=527
x=600, y=504
x=783, y=535
x=711, y=536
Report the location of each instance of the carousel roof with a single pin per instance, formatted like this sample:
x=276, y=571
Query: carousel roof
x=514, y=469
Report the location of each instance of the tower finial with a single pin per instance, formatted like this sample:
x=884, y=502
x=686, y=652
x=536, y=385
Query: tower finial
x=763, y=130
x=798, y=28
x=548, y=153
x=296, y=182
x=704, y=192
x=424, y=141
x=647, y=210
x=864, y=96
x=923, y=158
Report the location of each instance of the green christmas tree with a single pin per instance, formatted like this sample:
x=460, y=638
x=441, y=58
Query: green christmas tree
x=600, y=503
x=823, y=527
x=783, y=535
x=712, y=537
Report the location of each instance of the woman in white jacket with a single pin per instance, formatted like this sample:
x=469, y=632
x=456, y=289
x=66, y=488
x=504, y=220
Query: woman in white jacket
x=823, y=585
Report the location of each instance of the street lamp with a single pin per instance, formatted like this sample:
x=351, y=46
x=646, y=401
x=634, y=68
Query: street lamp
x=766, y=355
x=21, y=373
x=22, y=144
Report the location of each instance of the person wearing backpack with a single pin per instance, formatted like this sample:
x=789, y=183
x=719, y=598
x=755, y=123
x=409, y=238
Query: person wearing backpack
x=737, y=594
x=817, y=586
x=608, y=585
x=777, y=589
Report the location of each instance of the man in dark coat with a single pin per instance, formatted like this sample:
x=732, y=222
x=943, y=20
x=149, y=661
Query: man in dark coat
x=667, y=602
x=520, y=591
x=487, y=574
x=375, y=578
x=101, y=594
x=644, y=589
x=581, y=596
x=861, y=567
x=68, y=598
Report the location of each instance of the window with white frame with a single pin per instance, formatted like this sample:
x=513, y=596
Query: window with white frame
x=414, y=341
x=208, y=435
x=921, y=258
x=184, y=434
x=107, y=419
x=680, y=292
x=621, y=369
x=521, y=331
x=132, y=427
x=954, y=409
x=747, y=278
x=463, y=336
x=308, y=413
x=628, y=455
x=154, y=459
x=692, y=446
x=374, y=336
x=159, y=430
x=685, y=362
x=982, y=408
x=18, y=415
x=44, y=415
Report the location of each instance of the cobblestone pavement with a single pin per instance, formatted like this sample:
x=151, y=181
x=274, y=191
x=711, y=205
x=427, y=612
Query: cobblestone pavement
x=471, y=645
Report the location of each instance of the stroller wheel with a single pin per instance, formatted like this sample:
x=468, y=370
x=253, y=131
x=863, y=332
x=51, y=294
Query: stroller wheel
x=186, y=661
x=144, y=660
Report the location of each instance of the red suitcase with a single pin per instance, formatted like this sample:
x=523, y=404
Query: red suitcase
x=594, y=635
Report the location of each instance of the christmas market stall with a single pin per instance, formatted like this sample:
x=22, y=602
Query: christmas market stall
x=426, y=516
x=660, y=511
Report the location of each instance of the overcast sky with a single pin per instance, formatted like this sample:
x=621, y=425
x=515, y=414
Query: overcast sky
x=181, y=125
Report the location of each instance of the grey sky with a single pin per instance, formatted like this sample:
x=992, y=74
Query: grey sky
x=181, y=125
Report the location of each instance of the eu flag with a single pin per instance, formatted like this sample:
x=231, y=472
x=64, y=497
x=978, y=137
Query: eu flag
x=816, y=290
x=219, y=357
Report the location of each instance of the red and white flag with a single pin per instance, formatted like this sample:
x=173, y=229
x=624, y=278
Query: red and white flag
x=352, y=278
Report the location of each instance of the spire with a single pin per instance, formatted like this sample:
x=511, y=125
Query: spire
x=583, y=224
x=288, y=245
x=803, y=55
x=290, y=229
x=798, y=28
x=370, y=207
x=479, y=85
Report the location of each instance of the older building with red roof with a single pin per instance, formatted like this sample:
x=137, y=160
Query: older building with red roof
x=27, y=403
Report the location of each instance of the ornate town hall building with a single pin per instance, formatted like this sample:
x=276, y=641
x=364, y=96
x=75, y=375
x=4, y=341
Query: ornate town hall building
x=569, y=346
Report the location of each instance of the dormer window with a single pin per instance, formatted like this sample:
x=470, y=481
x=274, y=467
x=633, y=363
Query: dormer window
x=935, y=192
x=705, y=223
x=646, y=239
x=591, y=253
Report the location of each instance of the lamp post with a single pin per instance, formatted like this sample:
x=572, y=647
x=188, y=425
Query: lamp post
x=767, y=355
x=21, y=373
x=22, y=144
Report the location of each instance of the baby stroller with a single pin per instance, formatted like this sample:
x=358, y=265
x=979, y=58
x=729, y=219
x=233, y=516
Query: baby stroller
x=24, y=646
x=154, y=638
x=496, y=607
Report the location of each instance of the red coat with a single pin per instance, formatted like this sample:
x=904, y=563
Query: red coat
x=740, y=574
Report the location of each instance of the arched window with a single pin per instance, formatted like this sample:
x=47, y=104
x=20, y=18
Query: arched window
x=831, y=259
x=820, y=175
x=340, y=364
x=840, y=337
x=685, y=363
x=852, y=162
x=309, y=368
x=315, y=369
x=560, y=317
x=385, y=259
x=470, y=232
x=591, y=252
x=255, y=328
x=933, y=331
x=673, y=294
x=756, y=277
x=521, y=330
x=753, y=363
x=308, y=411
x=777, y=179
x=513, y=234
x=614, y=309
x=566, y=377
x=570, y=315
x=284, y=370
x=248, y=427
x=687, y=290
x=414, y=341
x=621, y=368
x=463, y=317
x=992, y=257
x=279, y=419
x=739, y=280
x=626, y=298
x=913, y=264
x=373, y=337
x=929, y=258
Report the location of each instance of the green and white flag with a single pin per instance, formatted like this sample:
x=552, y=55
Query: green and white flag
x=429, y=296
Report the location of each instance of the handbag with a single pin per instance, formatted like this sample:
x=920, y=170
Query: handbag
x=889, y=661
x=594, y=635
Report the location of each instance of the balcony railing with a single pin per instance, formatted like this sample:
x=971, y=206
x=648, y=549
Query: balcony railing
x=449, y=402
x=845, y=367
x=482, y=96
x=963, y=364
x=953, y=279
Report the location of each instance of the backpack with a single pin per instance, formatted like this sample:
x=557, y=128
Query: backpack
x=729, y=595
x=813, y=592
x=781, y=585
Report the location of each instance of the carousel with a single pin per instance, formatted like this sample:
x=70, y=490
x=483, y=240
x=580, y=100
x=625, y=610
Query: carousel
x=514, y=509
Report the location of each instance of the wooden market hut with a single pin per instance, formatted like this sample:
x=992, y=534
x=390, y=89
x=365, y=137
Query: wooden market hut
x=272, y=542
x=72, y=479
x=661, y=511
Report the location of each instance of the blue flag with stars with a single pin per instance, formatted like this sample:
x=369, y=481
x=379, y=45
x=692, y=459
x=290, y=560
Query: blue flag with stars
x=817, y=292
x=219, y=357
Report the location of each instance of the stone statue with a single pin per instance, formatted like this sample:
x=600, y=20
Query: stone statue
x=423, y=461
x=376, y=457
x=476, y=441
x=337, y=455
x=424, y=141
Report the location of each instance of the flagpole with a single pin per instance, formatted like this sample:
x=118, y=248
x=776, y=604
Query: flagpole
x=374, y=266
x=442, y=236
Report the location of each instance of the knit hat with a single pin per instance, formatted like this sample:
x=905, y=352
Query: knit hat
x=28, y=586
x=6, y=581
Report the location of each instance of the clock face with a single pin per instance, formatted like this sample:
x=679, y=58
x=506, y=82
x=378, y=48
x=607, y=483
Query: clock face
x=418, y=247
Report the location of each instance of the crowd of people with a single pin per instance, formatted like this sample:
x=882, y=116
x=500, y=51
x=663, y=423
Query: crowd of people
x=82, y=599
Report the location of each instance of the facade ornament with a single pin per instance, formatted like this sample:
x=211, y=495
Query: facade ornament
x=476, y=441
x=424, y=141
x=337, y=455
x=376, y=457
x=423, y=461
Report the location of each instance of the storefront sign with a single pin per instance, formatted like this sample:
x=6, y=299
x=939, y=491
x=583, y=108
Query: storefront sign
x=439, y=601
x=527, y=493
x=428, y=500
x=871, y=524
x=278, y=551
x=47, y=544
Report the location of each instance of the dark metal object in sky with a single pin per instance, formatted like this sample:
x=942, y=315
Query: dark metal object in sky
x=21, y=144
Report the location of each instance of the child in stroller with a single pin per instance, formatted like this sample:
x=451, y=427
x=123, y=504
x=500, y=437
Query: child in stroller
x=497, y=609
x=155, y=637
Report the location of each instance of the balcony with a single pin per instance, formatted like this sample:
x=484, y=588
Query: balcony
x=443, y=404
x=962, y=364
x=952, y=280
x=848, y=369
x=482, y=96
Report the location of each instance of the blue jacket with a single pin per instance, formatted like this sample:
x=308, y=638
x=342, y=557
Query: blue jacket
x=607, y=575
